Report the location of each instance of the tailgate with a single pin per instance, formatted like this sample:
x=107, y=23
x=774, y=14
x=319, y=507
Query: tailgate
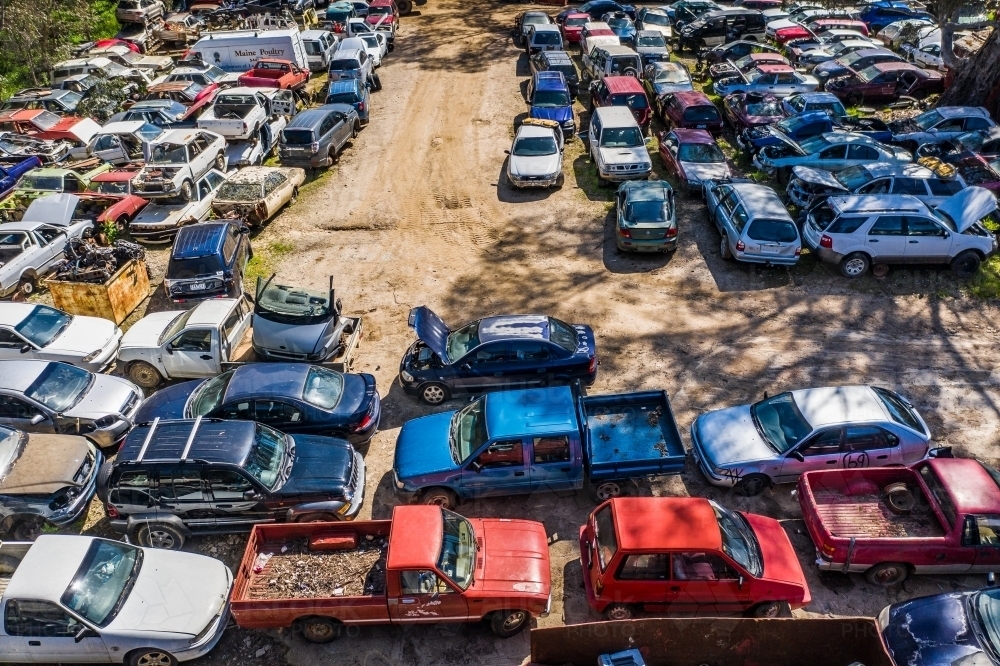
x=631, y=434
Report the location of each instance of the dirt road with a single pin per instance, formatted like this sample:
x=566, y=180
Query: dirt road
x=414, y=215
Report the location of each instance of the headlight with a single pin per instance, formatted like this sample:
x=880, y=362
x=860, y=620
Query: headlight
x=645, y=165
x=105, y=421
x=406, y=377
x=883, y=619
x=92, y=355
x=399, y=484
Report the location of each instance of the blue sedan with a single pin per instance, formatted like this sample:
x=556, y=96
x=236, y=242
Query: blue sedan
x=296, y=398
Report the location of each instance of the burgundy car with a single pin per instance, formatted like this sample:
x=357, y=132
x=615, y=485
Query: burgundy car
x=693, y=110
x=975, y=170
x=692, y=157
x=886, y=82
x=622, y=91
x=751, y=109
x=572, y=27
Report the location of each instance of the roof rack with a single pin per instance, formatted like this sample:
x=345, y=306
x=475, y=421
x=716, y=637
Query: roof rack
x=190, y=440
x=149, y=438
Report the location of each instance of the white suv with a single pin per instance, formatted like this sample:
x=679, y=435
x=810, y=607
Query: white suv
x=617, y=146
x=177, y=159
x=863, y=230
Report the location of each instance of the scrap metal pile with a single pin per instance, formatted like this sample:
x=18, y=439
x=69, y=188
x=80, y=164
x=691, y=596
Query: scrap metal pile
x=294, y=571
x=86, y=261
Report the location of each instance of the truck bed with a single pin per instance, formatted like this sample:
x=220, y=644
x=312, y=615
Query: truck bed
x=631, y=434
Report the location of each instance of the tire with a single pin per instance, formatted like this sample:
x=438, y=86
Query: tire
x=103, y=477
x=319, y=629
x=899, y=498
x=8, y=564
x=295, y=196
x=187, y=190
x=784, y=175
x=606, y=490
x=159, y=535
x=220, y=160
x=26, y=287
x=887, y=574
x=966, y=264
x=509, y=623
x=752, y=485
x=560, y=181
x=724, y=250
x=441, y=497
x=144, y=374
x=27, y=529
x=434, y=394
x=404, y=6
x=151, y=657
x=376, y=82
x=854, y=265
x=317, y=518
x=629, y=71
x=355, y=130
x=618, y=612
x=770, y=609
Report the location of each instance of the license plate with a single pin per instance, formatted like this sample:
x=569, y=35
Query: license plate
x=700, y=126
x=198, y=286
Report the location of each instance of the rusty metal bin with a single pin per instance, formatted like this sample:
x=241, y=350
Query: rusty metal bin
x=114, y=300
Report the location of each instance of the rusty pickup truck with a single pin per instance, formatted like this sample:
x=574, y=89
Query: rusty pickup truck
x=268, y=73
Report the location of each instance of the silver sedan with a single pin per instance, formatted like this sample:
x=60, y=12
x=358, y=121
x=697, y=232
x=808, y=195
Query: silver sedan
x=779, y=438
x=778, y=80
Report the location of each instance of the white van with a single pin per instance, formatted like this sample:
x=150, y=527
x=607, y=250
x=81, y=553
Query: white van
x=238, y=50
x=320, y=45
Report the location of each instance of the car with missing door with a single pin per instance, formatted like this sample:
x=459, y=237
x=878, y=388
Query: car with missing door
x=754, y=225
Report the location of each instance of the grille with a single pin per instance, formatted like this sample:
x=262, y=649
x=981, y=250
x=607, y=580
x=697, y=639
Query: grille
x=84, y=471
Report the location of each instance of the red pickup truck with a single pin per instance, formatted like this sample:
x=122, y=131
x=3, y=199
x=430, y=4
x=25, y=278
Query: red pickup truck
x=939, y=516
x=426, y=565
x=268, y=73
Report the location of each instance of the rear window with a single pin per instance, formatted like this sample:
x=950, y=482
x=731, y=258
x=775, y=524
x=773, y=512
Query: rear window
x=183, y=269
x=562, y=334
x=344, y=64
x=899, y=410
x=568, y=71
x=697, y=114
x=297, y=137
x=547, y=38
x=939, y=493
x=944, y=188
x=772, y=231
x=343, y=98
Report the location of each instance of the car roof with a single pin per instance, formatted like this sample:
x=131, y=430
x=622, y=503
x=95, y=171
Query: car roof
x=615, y=116
x=347, y=53
x=962, y=111
x=774, y=69
x=833, y=405
x=875, y=51
x=877, y=203
x=535, y=12
x=419, y=528
x=12, y=314
x=617, y=49
x=846, y=137
x=314, y=34
x=344, y=85
x=971, y=487
x=666, y=523
x=817, y=96
x=686, y=135
x=311, y=118
x=48, y=567
x=514, y=327
x=647, y=190
x=177, y=135
x=545, y=27
x=531, y=412
x=115, y=176
x=648, y=33
x=550, y=80
x=19, y=374
x=534, y=130
x=263, y=379
x=883, y=169
x=216, y=440
x=623, y=84
x=552, y=56
x=692, y=98
x=891, y=66
x=122, y=127
x=761, y=201
x=199, y=240
x=577, y=15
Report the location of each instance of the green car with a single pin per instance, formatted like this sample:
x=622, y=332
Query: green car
x=42, y=181
x=645, y=217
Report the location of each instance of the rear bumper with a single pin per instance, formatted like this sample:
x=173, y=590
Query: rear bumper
x=765, y=261
x=304, y=161
x=632, y=245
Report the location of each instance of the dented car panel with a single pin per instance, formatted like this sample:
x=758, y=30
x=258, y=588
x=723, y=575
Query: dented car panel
x=256, y=194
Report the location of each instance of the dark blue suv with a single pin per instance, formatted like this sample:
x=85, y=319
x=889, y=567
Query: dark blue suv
x=880, y=14
x=506, y=352
x=549, y=98
x=208, y=261
x=353, y=92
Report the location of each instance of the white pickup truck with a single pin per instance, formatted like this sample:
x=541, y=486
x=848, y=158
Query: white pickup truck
x=239, y=113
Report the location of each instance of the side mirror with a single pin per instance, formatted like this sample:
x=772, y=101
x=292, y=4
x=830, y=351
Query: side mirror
x=84, y=632
x=37, y=418
x=739, y=583
x=506, y=152
x=169, y=348
x=465, y=366
x=476, y=467
x=250, y=495
x=798, y=456
x=991, y=579
x=25, y=349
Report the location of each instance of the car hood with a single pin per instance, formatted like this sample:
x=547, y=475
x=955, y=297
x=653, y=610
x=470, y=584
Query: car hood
x=729, y=436
x=817, y=177
x=84, y=335
x=625, y=155
x=430, y=329
x=47, y=464
x=146, y=332
x=702, y=172
x=829, y=68
x=934, y=631
x=543, y=165
x=778, y=555
x=560, y=114
x=169, y=402
x=289, y=338
x=516, y=557
x=174, y=593
x=166, y=215
x=422, y=447
x=322, y=465
x=107, y=395
x=55, y=209
x=969, y=206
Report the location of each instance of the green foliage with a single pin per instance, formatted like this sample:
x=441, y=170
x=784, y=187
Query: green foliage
x=111, y=231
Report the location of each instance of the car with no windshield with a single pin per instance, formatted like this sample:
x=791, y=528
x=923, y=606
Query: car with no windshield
x=985, y=143
x=507, y=351
x=777, y=80
x=753, y=224
x=33, y=330
x=177, y=160
x=831, y=151
x=256, y=194
x=645, y=217
x=692, y=157
x=536, y=157
x=777, y=439
x=687, y=555
x=809, y=186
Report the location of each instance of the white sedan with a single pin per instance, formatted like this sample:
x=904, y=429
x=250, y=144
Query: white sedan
x=32, y=330
x=537, y=155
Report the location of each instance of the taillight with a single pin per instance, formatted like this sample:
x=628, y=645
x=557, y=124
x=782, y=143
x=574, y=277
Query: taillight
x=740, y=245
x=592, y=366
x=111, y=511
x=825, y=241
x=828, y=550
x=798, y=251
x=314, y=146
x=365, y=422
x=672, y=232
x=625, y=233
x=361, y=106
x=244, y=126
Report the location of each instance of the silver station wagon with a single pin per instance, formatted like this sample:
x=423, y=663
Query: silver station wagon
x=755, y=226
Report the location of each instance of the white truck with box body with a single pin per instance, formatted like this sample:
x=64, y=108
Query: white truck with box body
x=238, y=50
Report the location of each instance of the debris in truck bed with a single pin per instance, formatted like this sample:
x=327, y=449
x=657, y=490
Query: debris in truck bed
x=293, y=571
x=88, y=262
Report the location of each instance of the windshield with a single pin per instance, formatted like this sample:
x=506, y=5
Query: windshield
x=671, y=75
x=853, y=177
x=766, y=108
x=738, y=540
x=652, y=40
x=987, y=606
x=635, y=101
x=313, y=48
x=175, y=326
x=646, y=212
x=562, y=334
x=293, y=305
x=462, y=341
x=899, y=409
x=185, y=269
x=168, y=153
x=103, y=581
x=927, y=120
x=535, y=146
x=535, y=19
x=656, y=19
x=43, y=325
x=458, y=550
x=468, y=430
x=209, y=395
x=60, y=386
x=574, y=22
x=10, y=449
x=622, y=137
x=323, y=387
x=779, y=422
x=34, y=181
x=547, y=37
x=266, y=456
x=379, y=10
x=700, y=153
x=549, y=98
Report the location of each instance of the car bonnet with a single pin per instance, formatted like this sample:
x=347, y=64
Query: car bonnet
x=969, y=206
x=430, y=329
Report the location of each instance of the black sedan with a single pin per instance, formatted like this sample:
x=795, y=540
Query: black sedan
x=514, y=351
x=291, y=397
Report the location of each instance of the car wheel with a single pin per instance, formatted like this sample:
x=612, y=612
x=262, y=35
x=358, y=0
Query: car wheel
x=618, y=612
x=187, y=190
x=508, y=623
x=434, y=394
x=317, y=518
x=966, y=264
x=887, y=573
x=854, y=265
x=377, y=82
x=27, y=529
x=607, y=490
x=355, y=130
x=144, y=374
x=319, y=629
x=103, y=477
x=752, y=484
x=150, y=657
x=404, y=6
x=8, y=564
x=772, y=609
x=159, y=535
x=441, y=497
x=220, y=162
x=294, y=197
x=26, y=287
x=724, y=250
x=784, y=175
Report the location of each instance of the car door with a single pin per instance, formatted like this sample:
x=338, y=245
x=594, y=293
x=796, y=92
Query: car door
x=831, y=158
x=483, y=368
x=183, y=494
x=552, y=463
x=984, y=536
x=234, y=329
x=529, y=364
x=926, y=241
x=277, y=191
x=500, y=469
x=48, y=633
x=705, y=582
x=427, y=597
x=822, y=450
x=886, y=239
x=235, y=499
x=859, y=153
x=278, y=414
x=51, y=242
x=191, y=354
x=883, y=87
x=19, y=413
x=11, y=345
x=785, y=84
x=644, y=578
x=870, y=446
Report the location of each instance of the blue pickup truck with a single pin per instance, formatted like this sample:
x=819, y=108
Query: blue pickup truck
x=805, y=125
x=519, y=442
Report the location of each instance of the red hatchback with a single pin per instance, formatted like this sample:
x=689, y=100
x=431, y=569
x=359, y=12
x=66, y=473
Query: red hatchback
x=622, y=91
x=691, y=109
x=687, y=555
x=572, y=27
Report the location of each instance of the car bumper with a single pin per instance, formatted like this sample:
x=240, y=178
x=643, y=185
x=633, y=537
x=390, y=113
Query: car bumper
x=364, y=436
x=765, y=260
x=824, y=253
x=81, y=504
x=359, y=491
x=209, y=642
x=621, y=176
x=304, y=161
x=153, y=236
x=710, y=476
x=799, y=198
x=632, y=245
x=106, y=438
x=532, y=182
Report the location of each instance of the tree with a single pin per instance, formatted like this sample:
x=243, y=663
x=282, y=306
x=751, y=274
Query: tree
x=977, y=81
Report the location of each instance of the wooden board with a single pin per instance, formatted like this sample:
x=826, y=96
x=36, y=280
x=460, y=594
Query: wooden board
x=114, y=300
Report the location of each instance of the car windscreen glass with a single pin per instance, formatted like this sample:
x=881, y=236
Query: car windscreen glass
x=462, y=341
x=671, y=75
x=103, y=581
x=700, y=153
x=562, y=334
x=701, y=114
x=323, y=387
x=772, y=231
x=11, y=444
x=652, y=41
x=987, y=606
x=832, y=108
x=927, y=120
x=779, y=422
x=43, y=325
x=209, y=395
x=604, y=535
x=60, y=386
x=535, y=146
x=343, y=98
x=646, y=212
x=853, y=177
x=168, y=153
x=656, y=19
x=297, y=137
x=738, y=540
x=293, y=305
x=550, y=98
x=813, y=144
x=338, y=16
x=185, y=269
x=635, y=101
x=622, y=137
x=574, y=22
x=766, y=108
x=34, y=181
x=468, y=430
x=899, y=410
x=535, y=19
x=622, y=63
x=458, y=550
x=568, y=70
x=546, y=38
x=869, y=74
x=379, y=10
x=266, y=457
x=175, y=326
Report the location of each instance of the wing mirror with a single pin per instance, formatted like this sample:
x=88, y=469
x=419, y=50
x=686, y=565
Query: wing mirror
x=84, y=632
x=476, y=467
x=465, y=366
x=37, y=418
x=25, y=349
x=739, y=583
x=798, y=456
x=506, y=152
x=250, y=495
x=169, y=348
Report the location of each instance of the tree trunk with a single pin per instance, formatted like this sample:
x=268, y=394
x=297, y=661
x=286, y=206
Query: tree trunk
x=977, y=81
